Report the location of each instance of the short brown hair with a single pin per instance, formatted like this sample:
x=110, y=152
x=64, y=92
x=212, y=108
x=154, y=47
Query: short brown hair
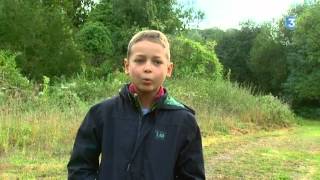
x=150, y=35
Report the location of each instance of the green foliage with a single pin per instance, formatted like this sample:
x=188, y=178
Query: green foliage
x=274, y=110
x=62, y=96
x=89, y=90
x=311, y=111
x=303, y=83
x=18, y=136
x=43, y=32
x=193, y=59
x=43, y=36
x=213, y=34
x=233, y=51
x=223, y=107
x=268, y=60
x=11, y=80
x=193, y=34
x=205, y=35
x=124, y=18
x=94, y=39
x=78, y=11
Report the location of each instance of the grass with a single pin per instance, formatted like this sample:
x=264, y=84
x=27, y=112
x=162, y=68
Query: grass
x=292, y=153
x=37, y=144
x=223, y=107
x=283, y=154
x=33, y=165
x=37, y=132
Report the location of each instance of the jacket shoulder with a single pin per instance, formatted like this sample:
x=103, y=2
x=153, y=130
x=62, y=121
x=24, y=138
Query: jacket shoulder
x=105, y=105
x=171, y=103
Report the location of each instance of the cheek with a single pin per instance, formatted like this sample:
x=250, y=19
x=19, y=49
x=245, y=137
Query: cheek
x=161, y=74
x=133, y=71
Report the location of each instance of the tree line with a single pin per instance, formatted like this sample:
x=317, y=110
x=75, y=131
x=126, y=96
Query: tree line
x=275, y=59
x=63, y=38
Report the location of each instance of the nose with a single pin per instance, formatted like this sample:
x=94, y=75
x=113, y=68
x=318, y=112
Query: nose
x=147, y=67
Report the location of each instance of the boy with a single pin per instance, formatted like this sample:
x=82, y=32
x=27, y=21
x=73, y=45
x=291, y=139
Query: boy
x=142, y=134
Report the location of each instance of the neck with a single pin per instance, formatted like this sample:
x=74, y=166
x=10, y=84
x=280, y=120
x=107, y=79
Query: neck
x=146, y=99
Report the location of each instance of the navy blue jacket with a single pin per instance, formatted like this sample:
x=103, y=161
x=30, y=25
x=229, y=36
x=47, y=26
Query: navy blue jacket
x=116, y=142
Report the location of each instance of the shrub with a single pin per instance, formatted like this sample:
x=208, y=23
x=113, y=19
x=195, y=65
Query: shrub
x=223, y=107
x=11, y=81
x=193, y=59
x=275, y=112
x=94, y=39
x=84, y=89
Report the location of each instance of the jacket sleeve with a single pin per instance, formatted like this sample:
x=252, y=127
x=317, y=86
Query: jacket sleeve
x=84, y=161
x=190, y=164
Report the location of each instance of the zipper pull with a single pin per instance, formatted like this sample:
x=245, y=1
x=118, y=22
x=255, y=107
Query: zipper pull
x=128, y=167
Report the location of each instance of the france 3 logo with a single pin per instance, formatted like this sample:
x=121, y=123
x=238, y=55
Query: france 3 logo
x=290, y=22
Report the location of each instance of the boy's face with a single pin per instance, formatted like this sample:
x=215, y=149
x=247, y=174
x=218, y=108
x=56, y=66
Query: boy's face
x=148, y=66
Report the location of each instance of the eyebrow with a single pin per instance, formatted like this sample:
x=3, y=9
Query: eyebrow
x=142, y=55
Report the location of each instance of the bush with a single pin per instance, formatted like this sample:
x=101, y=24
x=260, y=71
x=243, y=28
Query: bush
x=84, y=89
x=275, y=112
x=94, y=39
x=224, y=107
x=11, y=81
x=193, y=59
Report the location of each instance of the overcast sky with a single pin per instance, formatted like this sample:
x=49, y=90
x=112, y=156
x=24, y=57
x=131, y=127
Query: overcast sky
x=226, y=14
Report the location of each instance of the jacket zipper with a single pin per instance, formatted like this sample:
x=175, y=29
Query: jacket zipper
x=140, y=117
x=139, y=126
x=137, y=138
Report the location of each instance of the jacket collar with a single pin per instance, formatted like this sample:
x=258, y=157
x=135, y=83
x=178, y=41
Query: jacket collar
x=162, y=99
x=133, y=90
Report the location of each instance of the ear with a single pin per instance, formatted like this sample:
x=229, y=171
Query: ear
x=170, y=69
x=126, y=66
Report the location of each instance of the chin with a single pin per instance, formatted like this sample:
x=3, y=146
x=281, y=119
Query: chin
x=147, y=90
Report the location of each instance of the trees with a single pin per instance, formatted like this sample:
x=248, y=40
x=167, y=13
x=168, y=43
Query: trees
x=75, y=10
x=94, y=39
x=233, y=50
x=303, y=84
x=43, y=37
x=267, y=61
x=213, y=34
x=44, y=31
x=124, y=18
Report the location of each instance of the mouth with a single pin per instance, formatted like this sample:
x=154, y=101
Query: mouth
x=146, y=81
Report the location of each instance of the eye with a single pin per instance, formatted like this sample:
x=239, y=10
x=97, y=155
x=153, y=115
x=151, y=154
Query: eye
x=139, y=60
x=157, y=61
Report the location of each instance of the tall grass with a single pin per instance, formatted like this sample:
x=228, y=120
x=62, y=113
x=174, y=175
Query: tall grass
x=48, y=120
x=225, y=107
x=38, y=126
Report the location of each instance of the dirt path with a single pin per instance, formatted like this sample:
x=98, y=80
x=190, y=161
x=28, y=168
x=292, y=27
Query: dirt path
x=283, y=154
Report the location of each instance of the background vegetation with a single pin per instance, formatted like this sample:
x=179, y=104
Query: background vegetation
x=57, y=58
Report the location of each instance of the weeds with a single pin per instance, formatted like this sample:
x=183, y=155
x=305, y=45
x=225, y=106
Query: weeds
x=46, y=121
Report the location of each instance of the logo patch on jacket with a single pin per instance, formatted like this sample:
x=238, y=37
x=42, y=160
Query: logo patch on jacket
x=160, y=135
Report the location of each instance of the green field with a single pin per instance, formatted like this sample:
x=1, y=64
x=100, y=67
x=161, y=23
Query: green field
x=292, y=153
